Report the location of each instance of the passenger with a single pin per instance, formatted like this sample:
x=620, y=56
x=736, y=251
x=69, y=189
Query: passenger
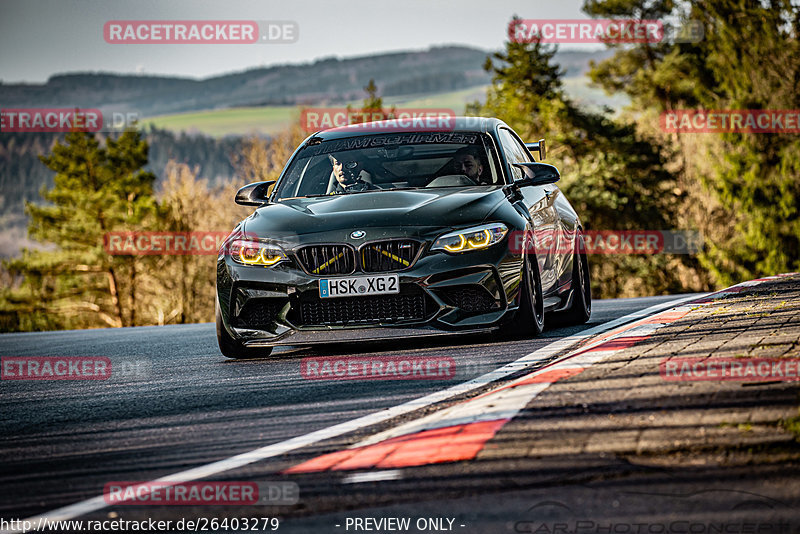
x=467, y=161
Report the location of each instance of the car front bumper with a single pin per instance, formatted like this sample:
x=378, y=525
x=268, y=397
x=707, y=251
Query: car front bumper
x=439, y=294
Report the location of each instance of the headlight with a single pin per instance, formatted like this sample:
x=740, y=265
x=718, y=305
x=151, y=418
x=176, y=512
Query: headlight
x=477, y=238
x=249, y=252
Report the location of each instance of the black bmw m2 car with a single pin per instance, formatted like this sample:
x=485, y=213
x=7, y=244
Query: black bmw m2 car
x=381, y=230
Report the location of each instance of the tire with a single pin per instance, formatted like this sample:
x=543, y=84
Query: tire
x=581, y=308
x=231, y=348
x=529, y=319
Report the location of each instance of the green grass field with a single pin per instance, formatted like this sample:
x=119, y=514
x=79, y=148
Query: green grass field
x=270, y=120
x=233, y=121
x=455, y=100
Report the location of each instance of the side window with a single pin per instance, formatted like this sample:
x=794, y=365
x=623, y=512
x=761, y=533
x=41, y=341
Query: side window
x=514, y=151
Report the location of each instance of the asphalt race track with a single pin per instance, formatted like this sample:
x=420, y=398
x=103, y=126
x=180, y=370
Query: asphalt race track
x=174, y=402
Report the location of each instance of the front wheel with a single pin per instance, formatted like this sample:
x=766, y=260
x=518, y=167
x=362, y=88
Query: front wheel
x=529, y=319
x=231, y=348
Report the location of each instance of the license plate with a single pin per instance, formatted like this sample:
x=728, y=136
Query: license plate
x=356, y=286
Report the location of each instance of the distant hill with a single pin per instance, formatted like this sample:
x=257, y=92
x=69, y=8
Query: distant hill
x=324, y=81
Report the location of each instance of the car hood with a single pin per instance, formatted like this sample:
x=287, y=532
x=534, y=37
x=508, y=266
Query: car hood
x=425, y=208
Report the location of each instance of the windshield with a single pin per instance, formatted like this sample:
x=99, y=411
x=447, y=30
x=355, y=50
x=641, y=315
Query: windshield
x=390, y=162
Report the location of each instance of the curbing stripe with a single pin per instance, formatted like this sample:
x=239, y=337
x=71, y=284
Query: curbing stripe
x=460, y=432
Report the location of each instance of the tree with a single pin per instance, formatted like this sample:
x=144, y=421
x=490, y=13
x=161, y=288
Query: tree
x=98, y=189
x=182, y=286
x=372, y=102
x=372, y=107
x=749, y=58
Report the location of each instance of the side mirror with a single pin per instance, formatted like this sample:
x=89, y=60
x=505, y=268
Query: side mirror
x=538, y=147
x=254, y=194
x=537, y=174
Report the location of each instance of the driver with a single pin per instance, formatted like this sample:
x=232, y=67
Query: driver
x=467, y=161
x=348, y=176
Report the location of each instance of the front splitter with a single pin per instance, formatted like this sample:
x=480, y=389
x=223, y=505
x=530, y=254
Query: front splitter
x=349, y=335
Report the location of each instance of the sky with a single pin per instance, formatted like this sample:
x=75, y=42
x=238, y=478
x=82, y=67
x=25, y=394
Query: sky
x=39, y=38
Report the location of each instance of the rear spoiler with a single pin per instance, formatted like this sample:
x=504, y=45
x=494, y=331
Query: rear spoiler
x=538, y=147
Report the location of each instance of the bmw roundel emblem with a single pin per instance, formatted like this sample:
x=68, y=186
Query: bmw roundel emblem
x=358, y=234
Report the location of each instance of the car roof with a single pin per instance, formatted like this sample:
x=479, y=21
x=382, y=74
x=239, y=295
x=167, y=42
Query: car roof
x=461, y=124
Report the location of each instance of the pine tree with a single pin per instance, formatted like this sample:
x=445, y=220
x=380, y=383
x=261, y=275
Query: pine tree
x=372, y=108
x=98, y=189
x=372, y=102
x=749, y=58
